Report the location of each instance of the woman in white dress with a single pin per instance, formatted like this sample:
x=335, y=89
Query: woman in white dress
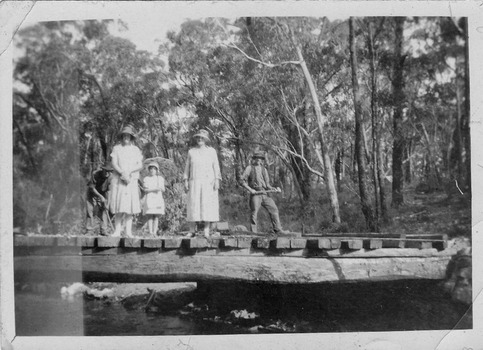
x=124, y=202
x=154, y=202
x=202, y=180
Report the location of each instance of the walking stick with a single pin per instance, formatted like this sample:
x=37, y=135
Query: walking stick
x=106, y=207
x=277, y=190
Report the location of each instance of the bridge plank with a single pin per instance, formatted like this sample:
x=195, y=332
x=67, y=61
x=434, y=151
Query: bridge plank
x=36, y=240
x=229, y=242
x=353, y=244
x=393, y=243
x=428, y=236
x=19, y=240
x=335, y=243
x=132, y=242
x=152, y=243
x=108, y=242
x=425, y=244
x=86, y=241
x=298, y=243
x=354, y=235
x=172, y=243
x=195, y=243
x=373, y=243
x=281, y=243
x=319, y=243
x=244, y=242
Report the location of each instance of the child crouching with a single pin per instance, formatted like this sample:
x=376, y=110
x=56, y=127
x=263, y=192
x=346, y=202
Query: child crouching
x=154, y=202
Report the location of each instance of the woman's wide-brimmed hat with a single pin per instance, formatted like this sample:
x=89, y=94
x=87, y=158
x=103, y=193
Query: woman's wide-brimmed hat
x=202, y=133
x=153, y=164
x=128, y=130
x=260, y=155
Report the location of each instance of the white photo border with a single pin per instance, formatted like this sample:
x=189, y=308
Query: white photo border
x=13, y=14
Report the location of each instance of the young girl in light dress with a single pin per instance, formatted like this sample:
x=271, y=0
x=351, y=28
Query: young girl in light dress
x=154, y=202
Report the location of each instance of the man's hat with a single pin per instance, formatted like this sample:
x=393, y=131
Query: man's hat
x=153, y=164
x=128, y=130
x=260, y=155
x=203, y=133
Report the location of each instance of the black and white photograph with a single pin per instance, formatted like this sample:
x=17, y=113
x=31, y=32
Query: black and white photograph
x=212, y=175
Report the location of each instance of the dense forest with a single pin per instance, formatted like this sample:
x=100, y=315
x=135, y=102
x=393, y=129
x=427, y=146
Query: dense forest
x=350, y=112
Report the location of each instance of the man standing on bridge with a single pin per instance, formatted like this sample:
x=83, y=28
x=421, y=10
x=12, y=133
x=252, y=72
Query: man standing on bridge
x=256, y=180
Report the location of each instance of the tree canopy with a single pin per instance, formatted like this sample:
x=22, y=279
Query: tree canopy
x=384, y=104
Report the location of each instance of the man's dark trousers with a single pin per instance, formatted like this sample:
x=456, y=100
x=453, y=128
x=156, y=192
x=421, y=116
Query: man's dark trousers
x=257, y=200
x=96, y=209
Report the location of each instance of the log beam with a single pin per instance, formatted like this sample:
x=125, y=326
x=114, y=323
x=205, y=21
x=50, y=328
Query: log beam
x=169, y=267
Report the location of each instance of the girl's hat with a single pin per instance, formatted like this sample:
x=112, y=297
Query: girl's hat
x=153, y=164
x=128, y=130
x=203, y=133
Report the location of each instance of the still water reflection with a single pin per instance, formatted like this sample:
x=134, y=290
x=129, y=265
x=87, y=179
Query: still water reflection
x=237, y=308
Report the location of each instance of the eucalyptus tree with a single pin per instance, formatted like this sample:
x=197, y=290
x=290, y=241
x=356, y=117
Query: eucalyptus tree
x=294, y=31
x=366, y=205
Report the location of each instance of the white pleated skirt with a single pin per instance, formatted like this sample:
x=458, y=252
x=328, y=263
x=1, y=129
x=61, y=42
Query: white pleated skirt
x=124, y=198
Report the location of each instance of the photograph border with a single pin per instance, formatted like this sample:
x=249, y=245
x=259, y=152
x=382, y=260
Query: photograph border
x=13, y=14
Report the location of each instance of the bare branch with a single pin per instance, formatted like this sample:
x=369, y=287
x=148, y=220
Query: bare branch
x=266, y=64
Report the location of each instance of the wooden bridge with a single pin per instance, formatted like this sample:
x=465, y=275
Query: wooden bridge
x=233, y=257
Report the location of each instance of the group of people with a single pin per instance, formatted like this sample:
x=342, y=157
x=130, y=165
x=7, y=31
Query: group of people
x=115, y=188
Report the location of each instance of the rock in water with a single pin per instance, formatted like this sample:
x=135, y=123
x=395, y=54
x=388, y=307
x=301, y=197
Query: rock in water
x=459, y=277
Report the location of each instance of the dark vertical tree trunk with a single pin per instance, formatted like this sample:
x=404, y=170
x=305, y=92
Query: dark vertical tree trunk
x=163, y=137
x=458, y=143
x=103, y=143
x=367, y=209
x=465, y=121
x=353, y=163
x=299, y=143
x=238, y=159
x=398, y=97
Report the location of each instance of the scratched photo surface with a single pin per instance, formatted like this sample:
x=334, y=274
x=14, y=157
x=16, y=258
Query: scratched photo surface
x=309, y=174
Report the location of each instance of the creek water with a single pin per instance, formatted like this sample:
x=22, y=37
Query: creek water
x=229, y=308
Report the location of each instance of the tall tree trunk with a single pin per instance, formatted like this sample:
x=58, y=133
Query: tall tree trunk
x=329, y=176
x=300, y=145
x=374, y=121
x=465, y=121
x=458, y=137
x=398, y=97
x=367, y=209
x=381, y=180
